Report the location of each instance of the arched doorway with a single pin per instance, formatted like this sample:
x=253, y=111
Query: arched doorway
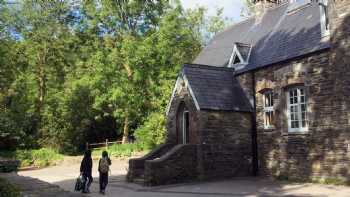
x=183, y=124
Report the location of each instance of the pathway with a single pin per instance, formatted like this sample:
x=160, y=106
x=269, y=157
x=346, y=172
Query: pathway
x=64, y=176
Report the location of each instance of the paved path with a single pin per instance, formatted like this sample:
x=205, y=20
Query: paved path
x=64, y=176
x=31, y=187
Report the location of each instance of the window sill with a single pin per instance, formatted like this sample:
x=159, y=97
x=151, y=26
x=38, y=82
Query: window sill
x=297, y=133
x=269, y=129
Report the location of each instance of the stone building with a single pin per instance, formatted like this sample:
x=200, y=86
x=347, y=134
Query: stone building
x=267, y=96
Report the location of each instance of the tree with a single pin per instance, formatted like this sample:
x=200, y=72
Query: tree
x=47, y=45
x=78, y=71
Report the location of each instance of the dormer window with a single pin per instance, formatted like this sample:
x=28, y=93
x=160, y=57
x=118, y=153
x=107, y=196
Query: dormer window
x=240, y=55
x=324, y=17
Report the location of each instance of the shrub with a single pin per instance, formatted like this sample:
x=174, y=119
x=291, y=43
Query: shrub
x=152, y=132
x=119, y=150
x=39, y=158
x=8, y=190
x=45, y=157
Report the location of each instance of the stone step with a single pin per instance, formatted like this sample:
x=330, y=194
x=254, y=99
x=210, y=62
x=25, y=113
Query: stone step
x=140, y=181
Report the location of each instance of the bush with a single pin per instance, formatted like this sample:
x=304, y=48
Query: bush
x=152, y=132
x=39, y=158
x=8, y=190
x=119, y=150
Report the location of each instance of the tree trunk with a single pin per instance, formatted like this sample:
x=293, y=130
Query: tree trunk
x=126, y=130
x=41, y=77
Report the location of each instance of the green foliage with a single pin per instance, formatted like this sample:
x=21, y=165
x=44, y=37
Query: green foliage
x=152, y=132
x=120, y=150
x=320, y=180
x=75, y=73
x=39, y=158
x=8, y=190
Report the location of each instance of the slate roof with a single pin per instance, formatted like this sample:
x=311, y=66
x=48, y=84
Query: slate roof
x=275, y=37
x=216, y=88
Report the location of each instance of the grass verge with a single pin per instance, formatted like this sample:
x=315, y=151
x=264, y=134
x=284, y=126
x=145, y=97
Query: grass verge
x=7, y=189
x=318, y=180
x=119, y=150
x=37, y=158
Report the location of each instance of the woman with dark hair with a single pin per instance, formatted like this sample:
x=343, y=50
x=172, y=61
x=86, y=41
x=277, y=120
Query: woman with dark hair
x=103, y=168
x=86, y=171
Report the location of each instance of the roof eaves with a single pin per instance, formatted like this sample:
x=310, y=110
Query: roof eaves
x=323, y=48
x=208, y=67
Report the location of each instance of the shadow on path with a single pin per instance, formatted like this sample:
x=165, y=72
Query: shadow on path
x=31, y=187
x=244, y=186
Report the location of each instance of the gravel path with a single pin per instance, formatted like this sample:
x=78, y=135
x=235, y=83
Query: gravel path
x=52, y=179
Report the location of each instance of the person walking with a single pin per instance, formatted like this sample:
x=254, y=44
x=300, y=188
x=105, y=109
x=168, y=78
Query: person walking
x=103, y=169
x=86, y=171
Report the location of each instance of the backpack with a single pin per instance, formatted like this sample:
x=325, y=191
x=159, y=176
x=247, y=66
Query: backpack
x=104, y=165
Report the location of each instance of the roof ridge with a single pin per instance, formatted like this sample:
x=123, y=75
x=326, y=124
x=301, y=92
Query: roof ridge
x=234, y=25
x=250, y=18
x=208, y=67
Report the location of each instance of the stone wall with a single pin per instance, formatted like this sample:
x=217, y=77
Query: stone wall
x=226, y=144
x=324, y=151
x=219, y=147
x=137, y=165
x=182, y=97
x=178, y=165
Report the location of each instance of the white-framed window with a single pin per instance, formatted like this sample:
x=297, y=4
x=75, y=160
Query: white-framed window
x=297, y=110
x=239, y=56
x=268, y=110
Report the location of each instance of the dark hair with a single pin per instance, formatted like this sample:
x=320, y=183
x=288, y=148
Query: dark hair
x=104, y=154
x=87, y=153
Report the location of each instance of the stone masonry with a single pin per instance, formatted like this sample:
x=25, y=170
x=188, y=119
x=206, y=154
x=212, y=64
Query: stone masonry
x=324, y=151
x=219, y=146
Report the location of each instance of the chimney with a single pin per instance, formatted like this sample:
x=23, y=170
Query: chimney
x=262, y=5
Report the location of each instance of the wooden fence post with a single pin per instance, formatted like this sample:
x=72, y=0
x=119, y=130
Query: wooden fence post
x=106, y=144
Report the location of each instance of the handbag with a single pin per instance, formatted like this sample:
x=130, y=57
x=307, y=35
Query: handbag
x=79, y=184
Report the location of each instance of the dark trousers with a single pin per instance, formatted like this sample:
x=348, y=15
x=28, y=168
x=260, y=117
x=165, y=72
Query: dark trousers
x=103, y=181
x=87, y=181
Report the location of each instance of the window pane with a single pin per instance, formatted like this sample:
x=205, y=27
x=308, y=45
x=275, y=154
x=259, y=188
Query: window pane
x=297, y=108
x=271, y=99
x=296, y=115
x=268, y=99
x=268, y=109
x=291, y=93
x=303, y=124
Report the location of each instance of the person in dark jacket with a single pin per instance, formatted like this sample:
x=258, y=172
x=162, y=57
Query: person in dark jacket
x=86, y=171
x=103, y=169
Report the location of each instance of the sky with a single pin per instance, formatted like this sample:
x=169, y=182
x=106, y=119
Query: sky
x=232, y=8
